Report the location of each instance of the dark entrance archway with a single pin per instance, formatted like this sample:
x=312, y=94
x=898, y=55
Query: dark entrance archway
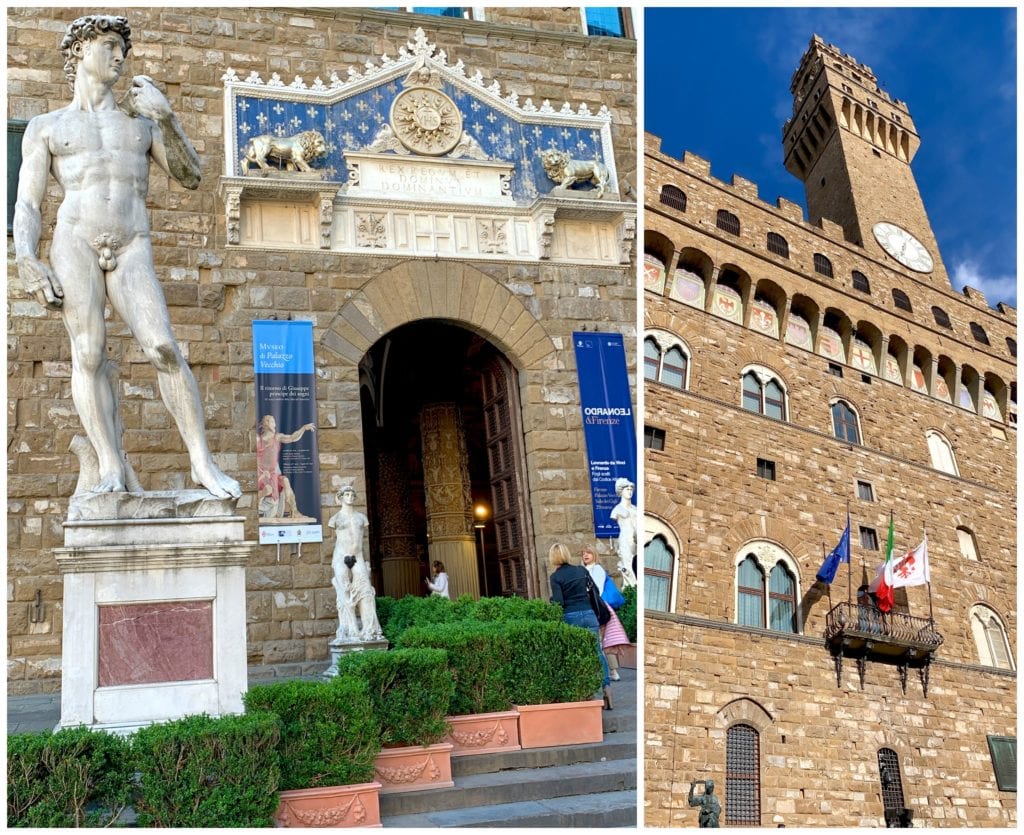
x=442, y=436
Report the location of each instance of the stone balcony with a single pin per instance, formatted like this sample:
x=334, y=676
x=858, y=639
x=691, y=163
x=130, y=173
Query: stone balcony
x=868, y=634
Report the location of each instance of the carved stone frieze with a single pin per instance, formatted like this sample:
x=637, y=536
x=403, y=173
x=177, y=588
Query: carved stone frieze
x=371, y=231
x=493, y=236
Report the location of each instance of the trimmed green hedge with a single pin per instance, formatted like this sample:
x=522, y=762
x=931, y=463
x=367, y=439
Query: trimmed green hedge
x=498, y=664
x=330, y=734
x=206, y=772
x=398, y=615
x=74, y=777
x=627, y=612
x=411, y=691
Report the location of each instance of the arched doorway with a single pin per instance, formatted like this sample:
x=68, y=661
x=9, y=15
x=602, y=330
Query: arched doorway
x=442, y=437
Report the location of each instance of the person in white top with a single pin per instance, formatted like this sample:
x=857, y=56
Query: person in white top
x=440, y=585
x=612, y=633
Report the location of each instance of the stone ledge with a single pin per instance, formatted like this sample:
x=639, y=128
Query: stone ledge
x=169, y=504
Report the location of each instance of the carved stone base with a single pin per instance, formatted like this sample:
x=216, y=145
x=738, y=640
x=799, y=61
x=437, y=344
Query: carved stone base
x=340, y=646
x=154, y=609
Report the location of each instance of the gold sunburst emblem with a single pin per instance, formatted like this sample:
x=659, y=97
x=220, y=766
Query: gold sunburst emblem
x=426, y=121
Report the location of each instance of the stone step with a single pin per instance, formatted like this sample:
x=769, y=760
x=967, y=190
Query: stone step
x=618, y=721
x=619, y=746
x=516, y=786
x=607, y=809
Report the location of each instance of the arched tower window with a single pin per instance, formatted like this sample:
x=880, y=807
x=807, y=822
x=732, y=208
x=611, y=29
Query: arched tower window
x=728, y=222
x=673, y=197
x=742, y=776
x=658, y=564
x=822, y=265
x=941, y=452
x=668, y=366
x=764, y=393
x=978, y=332
x=968, y=544
x=892, y=783
x=781, y=599
x=844, y=422
x=941, y=317
x=778, y=245
x=860, y=282
x=990, y=637
x=750, y=593
x=901, y=300
x=767, y=588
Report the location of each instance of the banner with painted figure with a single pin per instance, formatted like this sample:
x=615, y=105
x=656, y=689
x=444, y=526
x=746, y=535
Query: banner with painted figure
x=287, y=458
x=608, y=425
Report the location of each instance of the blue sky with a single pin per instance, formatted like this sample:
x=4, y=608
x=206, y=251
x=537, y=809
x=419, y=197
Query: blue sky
x=717, y=83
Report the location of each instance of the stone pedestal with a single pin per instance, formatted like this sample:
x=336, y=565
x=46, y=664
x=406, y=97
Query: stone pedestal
x=343, y=646
x=154, y=608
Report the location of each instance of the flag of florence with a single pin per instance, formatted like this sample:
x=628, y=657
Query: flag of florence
x=912, y=568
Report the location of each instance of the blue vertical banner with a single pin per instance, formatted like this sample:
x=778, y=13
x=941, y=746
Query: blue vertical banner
x=287, y=457
x=607, y=421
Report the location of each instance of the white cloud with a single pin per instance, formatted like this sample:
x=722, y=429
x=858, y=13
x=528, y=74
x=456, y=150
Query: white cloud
x=997, y=288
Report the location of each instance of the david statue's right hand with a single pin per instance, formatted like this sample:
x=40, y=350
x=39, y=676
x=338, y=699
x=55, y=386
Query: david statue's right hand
x=39, y=281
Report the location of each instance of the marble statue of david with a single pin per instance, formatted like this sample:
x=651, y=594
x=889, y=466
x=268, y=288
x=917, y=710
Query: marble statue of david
x=100, y=152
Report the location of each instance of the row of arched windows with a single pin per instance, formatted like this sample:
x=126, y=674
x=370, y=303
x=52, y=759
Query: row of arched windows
x=768, y=593
x=777, y=245
x=667, y=361
x=799, y=321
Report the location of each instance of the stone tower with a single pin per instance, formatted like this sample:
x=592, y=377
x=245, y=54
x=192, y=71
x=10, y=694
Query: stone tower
x=851, y=145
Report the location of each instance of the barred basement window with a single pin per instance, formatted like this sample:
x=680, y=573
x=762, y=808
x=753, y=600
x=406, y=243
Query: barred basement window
x=1004, y=761
x=892, y=783
x=654, y=438
x=822, y=265
x=860, y=282
x=941, y=317
x=766, y=469
x=728, y=222
x=778, y=245
x=742, y=777
x=978, y=332
x=673, y=197
x=902, y=301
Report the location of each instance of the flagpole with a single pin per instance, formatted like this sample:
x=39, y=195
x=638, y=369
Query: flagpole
x=849, y=562
x=928, y=568
x=828, y=586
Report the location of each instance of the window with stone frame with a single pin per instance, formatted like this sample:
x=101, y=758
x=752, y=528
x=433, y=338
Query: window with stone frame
x=668, y=365
x=844, y=422
x=868, y=539
x=941, y=317
x=891, y=781
x=727, y=222
x=822, y=265
x=901, y=300
x=968, y=544
x=860, y=282
x=865, y=491
x=659, y=561
x=1011, y=346
x=763, y=393
x=674, y=198
x=1003, y=750
x=608, y=22
x=778, y=245
x=941, y=452
x=654, y=438
x=742, y=776
x=978, y=332
x=990, y=638
x=766, y=590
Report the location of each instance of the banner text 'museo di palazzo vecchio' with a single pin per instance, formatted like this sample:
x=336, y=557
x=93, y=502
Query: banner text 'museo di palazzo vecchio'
x=287, y=458
x=607, y=421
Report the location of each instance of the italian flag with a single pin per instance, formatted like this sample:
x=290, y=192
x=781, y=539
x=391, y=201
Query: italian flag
x=882, y=584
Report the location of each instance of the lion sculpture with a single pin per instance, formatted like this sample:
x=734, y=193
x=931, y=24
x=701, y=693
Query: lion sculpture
x=565, y=171
x=295, y=152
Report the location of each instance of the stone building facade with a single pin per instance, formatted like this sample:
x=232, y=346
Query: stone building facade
x=442, y=316
x=796, y=371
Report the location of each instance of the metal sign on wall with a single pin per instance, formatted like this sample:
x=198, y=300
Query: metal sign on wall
x=607, y=421
x=287, y=458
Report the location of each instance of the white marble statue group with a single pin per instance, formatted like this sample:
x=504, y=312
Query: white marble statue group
x=357, y=600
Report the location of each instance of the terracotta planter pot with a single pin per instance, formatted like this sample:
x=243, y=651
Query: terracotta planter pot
x=571, y=723
x=483, y=733
x=415, y=767
x=627, y=655
x=342, y=806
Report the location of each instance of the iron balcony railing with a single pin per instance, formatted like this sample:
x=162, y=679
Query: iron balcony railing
x=850, y=623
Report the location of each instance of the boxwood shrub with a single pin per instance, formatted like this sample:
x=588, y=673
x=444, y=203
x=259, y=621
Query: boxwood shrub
x=398, y=615
x=74, y=777
x=206, y=772
x=330, y=734
x=411, y=691
x=627, y=612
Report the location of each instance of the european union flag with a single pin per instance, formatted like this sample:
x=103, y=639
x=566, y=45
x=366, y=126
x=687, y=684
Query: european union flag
x=841, y=553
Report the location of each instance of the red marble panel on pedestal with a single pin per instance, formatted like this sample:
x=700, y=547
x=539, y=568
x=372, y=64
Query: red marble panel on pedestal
x=146, y=643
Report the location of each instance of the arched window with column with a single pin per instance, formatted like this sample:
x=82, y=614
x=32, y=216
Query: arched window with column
x=990, y=638
x=941, y=452
x=763, y=392
x=666, y=359
x=767, y=588
x=661, y=550
x=844, y=422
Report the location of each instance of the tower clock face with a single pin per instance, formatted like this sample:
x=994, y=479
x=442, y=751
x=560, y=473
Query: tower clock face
x=904, y=247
